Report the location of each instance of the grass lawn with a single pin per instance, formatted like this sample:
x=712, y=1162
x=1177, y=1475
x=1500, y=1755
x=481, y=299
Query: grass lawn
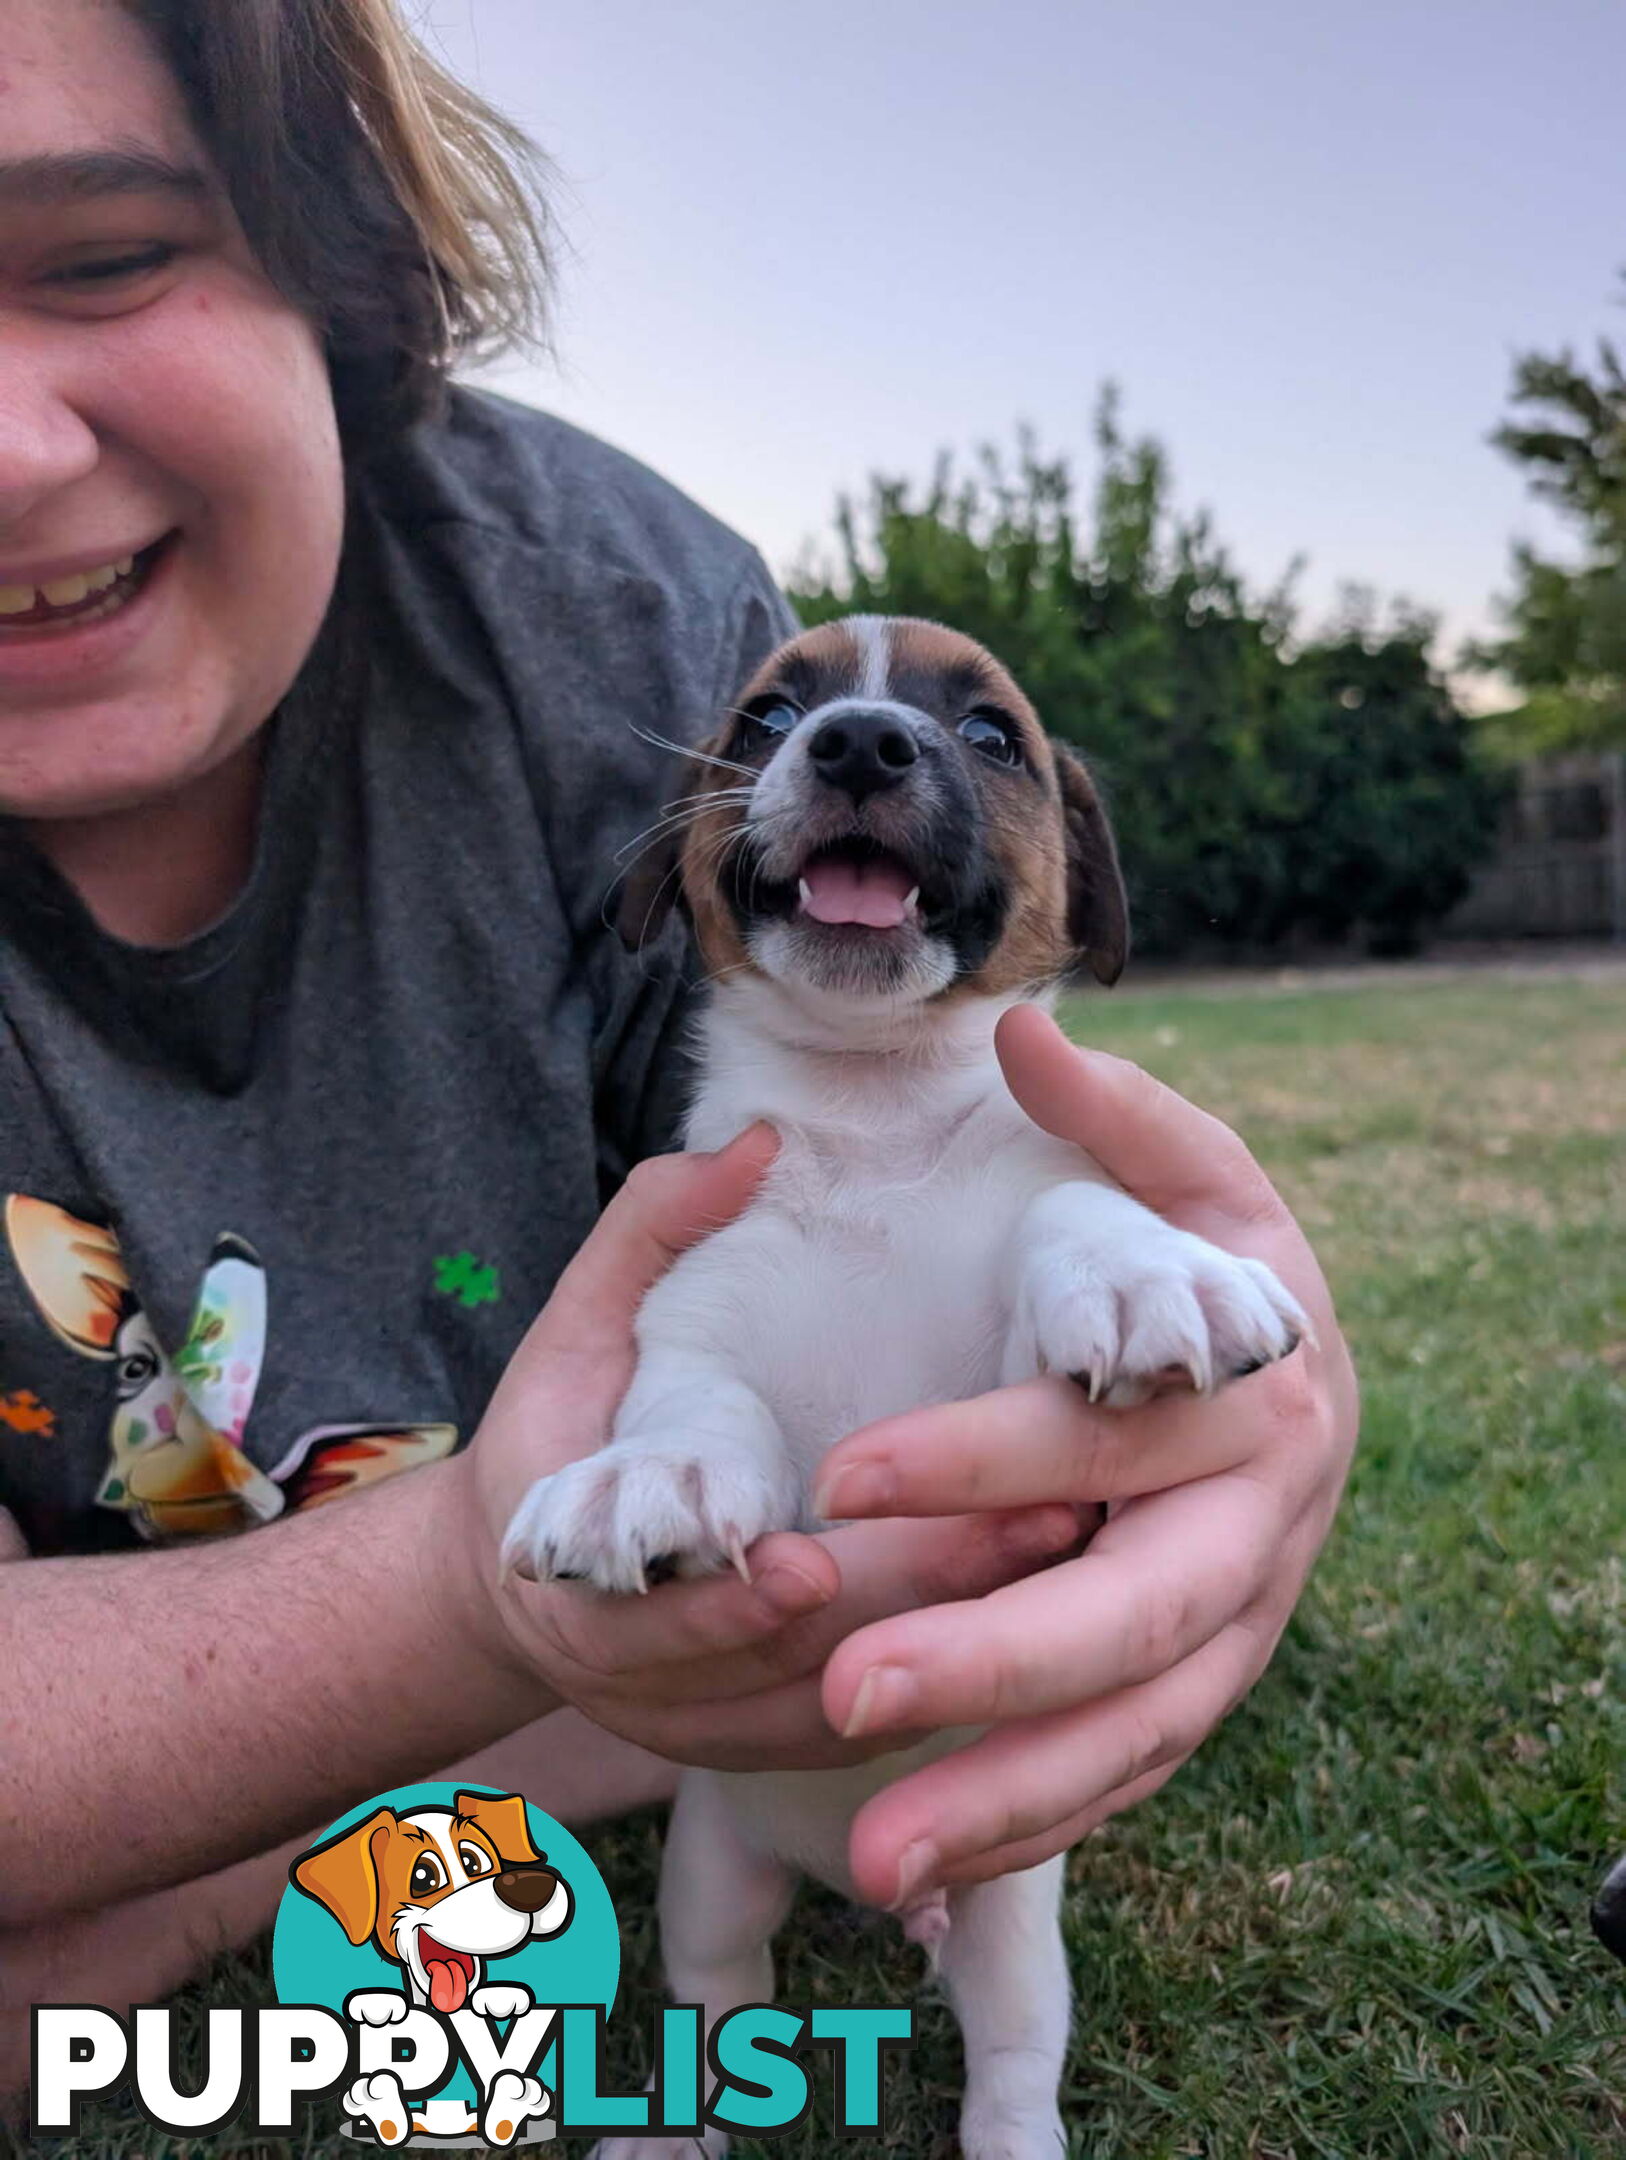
x=1356, y=1924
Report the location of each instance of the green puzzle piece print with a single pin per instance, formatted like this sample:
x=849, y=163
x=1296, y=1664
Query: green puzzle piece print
x=461, y=1276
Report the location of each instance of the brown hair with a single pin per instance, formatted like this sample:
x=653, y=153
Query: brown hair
x=385, y=199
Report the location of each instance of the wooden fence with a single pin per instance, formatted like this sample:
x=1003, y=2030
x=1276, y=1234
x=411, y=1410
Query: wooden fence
x=1560, y=868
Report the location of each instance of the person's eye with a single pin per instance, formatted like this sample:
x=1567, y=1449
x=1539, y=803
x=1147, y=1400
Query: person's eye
x=993, y=736
x=765, y=720
x=112, y=273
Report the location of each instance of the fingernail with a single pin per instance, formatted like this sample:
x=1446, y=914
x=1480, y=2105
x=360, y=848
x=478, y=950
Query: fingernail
x=915, y=1870
x=887, y=1696
x=790, y=1591
x=861, y=1488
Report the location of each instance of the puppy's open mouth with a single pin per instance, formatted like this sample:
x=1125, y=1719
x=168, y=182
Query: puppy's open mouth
x=851, y=884
x=875, y=889
x=450, y=1973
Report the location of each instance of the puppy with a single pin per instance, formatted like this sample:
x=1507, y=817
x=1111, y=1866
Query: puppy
x=883, y=853
x=439, y=1892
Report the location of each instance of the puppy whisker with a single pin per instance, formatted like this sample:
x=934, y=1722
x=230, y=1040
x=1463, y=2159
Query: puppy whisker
x=687, y=750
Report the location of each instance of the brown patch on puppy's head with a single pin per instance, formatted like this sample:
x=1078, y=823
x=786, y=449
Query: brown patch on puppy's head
x=882, y=814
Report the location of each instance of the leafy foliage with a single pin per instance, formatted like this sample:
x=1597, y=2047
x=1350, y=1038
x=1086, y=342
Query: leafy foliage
x=1259, y=789
x=1567, y=623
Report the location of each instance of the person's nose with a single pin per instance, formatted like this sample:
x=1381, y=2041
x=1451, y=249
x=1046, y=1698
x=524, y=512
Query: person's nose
x=46, y=443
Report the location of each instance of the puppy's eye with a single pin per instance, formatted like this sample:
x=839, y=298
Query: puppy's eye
x=428, y=1876
x=476, y=1860
x=763, y=721
x=993, y=736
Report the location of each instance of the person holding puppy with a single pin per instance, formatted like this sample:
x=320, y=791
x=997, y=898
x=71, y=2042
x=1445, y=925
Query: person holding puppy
x=324, y=691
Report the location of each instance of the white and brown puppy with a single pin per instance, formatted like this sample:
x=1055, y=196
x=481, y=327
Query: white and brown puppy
x=884, y=852
x=440, y=1892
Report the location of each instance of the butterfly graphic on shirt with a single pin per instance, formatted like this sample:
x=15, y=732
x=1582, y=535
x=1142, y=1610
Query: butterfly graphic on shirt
x=176, y=1463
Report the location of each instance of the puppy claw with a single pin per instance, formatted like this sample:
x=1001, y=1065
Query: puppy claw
x=1134, y=1309
x=648, y=1505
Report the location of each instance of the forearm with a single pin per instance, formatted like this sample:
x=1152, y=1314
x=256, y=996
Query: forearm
x=185, y=1709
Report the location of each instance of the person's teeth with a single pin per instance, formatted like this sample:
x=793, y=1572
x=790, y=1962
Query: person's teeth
x=806, y=891
x=16, y=599
x=124, y=565
x=66, y=591
x=99, y=580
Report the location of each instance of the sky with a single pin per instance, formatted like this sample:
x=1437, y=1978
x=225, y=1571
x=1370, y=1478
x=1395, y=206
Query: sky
x=807, y=243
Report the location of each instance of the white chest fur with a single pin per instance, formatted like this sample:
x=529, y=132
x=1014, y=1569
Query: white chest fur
x=873, y=1272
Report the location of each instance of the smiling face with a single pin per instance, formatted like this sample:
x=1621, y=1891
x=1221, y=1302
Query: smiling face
x=440, y=1890
x=885, y=819
x=171, y=489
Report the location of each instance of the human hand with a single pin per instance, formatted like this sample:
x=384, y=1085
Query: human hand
x=1100, y=1676
x=720, y=1671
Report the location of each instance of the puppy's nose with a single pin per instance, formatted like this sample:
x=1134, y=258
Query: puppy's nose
x=526, y=1889
x=863, y=752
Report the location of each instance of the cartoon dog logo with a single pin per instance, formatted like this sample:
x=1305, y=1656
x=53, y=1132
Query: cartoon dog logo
x=440, y=1892
x=177, y=1466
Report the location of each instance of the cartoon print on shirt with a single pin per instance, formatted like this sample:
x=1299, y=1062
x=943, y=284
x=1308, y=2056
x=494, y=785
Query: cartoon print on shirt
x=23, y=1411
x=177, y=1465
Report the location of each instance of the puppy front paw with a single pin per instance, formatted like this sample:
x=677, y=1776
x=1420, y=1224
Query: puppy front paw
x=375, y=2006
x=511, y=2100
x=640, y=1509
x=379, y=2100
x=1145, y=1307
x=500, y=1999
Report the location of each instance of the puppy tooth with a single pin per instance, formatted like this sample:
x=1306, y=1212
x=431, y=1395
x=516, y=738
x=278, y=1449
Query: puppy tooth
x=736, y=1553
x=805, y=890
x=911, y=905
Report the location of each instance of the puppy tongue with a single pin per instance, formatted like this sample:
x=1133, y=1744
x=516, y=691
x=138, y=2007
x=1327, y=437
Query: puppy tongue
x=875, y=894
x=448, y=1984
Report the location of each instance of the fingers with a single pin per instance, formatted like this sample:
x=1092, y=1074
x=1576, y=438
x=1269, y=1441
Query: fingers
x=1029, y=1787
x=695, y=1643
x=1028, y=1852
x=1160, y=1580
x=1042, y=1440
x=779, y=1728
x=1169, y=1154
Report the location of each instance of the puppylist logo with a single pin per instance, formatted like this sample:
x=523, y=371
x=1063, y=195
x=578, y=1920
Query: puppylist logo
x=445, y=1960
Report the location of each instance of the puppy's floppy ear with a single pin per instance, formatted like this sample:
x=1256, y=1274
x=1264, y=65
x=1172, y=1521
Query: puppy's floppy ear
x=343, y=1874
x=1097, y=904
x=653, y=884
x=503, y=1819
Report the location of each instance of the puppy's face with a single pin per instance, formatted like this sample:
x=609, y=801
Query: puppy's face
x=883, y=817
x=439, y=1890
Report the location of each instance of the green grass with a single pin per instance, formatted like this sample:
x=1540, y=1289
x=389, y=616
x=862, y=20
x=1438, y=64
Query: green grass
x=1356, y=1923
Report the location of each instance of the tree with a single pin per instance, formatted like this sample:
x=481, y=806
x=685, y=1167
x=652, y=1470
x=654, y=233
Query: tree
x=1258, y=791
x=1566, y=646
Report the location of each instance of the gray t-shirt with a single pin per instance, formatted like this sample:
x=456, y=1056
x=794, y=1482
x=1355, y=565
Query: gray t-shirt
x=280, y=1202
